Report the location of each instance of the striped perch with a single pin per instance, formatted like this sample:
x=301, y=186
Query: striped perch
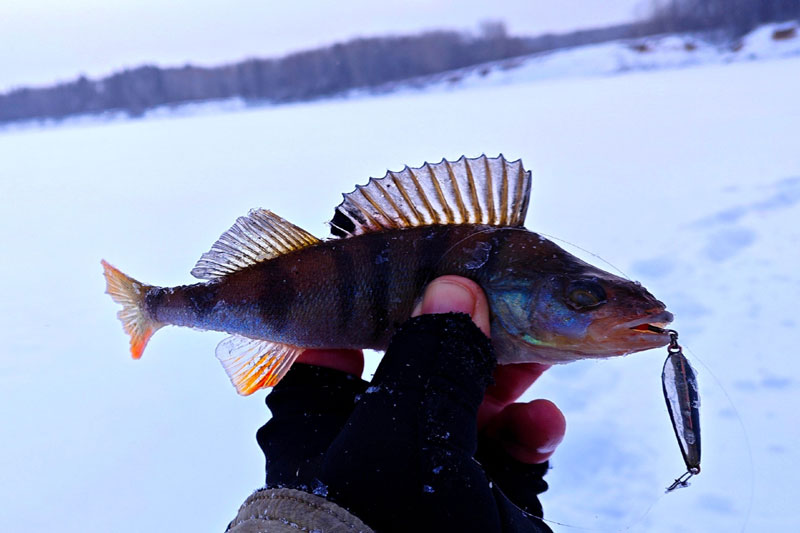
x=278, y=290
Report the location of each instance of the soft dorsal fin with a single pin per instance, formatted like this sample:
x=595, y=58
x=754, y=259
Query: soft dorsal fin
x=254, y=364
x=259, y=236
x=483, y=190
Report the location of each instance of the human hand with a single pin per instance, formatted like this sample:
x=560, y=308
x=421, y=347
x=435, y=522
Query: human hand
x=404, y=449
x=529, y=432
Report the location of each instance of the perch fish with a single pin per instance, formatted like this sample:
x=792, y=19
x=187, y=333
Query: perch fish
x=278, y=290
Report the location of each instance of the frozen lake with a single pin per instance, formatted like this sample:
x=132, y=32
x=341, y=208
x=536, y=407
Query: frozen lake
x=687, y=180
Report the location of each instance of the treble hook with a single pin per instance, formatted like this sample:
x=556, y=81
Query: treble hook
x=681, y=482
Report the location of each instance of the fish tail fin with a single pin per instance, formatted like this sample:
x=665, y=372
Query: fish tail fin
x=130, y=293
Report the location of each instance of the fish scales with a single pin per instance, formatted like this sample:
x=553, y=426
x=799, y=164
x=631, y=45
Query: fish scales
x=279, y=290
x=379, y=284
x=294, y=299
x=343, y=262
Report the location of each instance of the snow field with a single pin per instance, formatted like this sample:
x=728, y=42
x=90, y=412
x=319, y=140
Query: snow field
x=688, y=180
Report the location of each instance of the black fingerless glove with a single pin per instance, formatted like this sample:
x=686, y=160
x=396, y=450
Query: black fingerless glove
x=310, y=406
x=400, y=452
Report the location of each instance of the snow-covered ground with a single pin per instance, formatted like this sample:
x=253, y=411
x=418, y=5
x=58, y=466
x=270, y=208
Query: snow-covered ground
x=616, y=57
x=686, y=179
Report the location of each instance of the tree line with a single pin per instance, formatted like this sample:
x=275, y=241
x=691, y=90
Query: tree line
x=734, y=17
x=362, y=63
x=359, y=63
x=356, y=64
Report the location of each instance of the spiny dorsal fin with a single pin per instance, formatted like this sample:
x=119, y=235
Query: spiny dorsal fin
x=259, y=236
x=483, y=190
x=254, y=364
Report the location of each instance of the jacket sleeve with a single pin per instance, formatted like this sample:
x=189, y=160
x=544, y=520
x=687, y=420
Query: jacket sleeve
x=291, y=511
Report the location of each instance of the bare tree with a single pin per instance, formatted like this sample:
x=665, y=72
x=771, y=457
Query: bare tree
x=736, y=17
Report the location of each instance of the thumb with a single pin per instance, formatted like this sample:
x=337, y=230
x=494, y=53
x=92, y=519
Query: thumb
x=454, y=294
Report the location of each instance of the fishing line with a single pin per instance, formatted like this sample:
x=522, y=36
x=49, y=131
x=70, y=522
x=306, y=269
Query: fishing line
x=488, y=230
x=461, y=241
x=751, y=466
x=624, y=275
x=626, y=528
x=750, y=463
x=657, y=500
x=636, y=522
x=653, y=503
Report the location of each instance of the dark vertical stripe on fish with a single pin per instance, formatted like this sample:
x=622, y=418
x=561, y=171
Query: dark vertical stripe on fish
x=345, y=273
x=189, y=305
x=201, y=299
x=429, y=251
x=498, y=242
x=278, y=295
x=154, y=301
x=380, y=278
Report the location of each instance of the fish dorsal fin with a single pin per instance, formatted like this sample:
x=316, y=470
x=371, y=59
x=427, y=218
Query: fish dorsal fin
x=254, y=364
x=259, y=236
x=483, y=190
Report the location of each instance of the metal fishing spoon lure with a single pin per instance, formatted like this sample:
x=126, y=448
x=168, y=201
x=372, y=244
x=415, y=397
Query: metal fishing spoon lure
x=683, y=403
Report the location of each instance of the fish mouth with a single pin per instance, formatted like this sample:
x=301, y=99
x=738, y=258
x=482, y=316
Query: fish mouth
x=650, y=325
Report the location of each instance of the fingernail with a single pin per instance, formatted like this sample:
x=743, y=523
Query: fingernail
x=548, y=447
x=446, y=297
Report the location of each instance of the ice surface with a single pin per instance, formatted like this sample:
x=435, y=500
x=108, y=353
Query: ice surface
x=687, y=178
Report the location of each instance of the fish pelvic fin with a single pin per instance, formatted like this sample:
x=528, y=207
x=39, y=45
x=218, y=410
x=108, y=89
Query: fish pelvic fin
x=254, y=364
x=135, y=321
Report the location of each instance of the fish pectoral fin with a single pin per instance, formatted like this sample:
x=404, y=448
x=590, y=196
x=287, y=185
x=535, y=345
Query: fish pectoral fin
x=491, y=191
x=254, y=364
x=259, y=236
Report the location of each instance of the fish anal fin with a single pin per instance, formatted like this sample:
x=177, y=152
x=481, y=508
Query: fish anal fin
x=257, y=237
x=254, y=364
x=483, y=190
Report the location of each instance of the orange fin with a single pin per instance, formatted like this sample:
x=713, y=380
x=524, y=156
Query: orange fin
x=130, y=293
x=254, y=364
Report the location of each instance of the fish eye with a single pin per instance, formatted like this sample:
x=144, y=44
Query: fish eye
x=585, y=294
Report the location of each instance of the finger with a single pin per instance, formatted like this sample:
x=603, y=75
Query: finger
x=349, y=361
x=529, y=432
x=510, y=382
x=449, y=294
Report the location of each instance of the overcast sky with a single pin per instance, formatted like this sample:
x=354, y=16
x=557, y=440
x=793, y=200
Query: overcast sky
x=42, y=41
